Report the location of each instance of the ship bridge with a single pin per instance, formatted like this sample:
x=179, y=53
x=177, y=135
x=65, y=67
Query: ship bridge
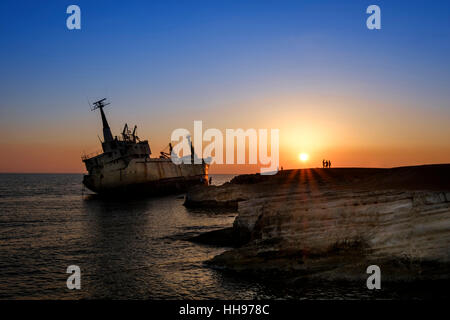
x=126, y=147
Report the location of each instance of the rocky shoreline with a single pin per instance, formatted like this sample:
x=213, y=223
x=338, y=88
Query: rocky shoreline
x=333, y=223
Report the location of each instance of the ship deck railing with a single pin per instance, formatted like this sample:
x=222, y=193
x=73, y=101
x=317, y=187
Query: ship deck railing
x=91, y=155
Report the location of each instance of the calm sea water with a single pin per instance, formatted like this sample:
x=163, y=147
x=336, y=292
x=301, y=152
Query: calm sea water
x=131, y=250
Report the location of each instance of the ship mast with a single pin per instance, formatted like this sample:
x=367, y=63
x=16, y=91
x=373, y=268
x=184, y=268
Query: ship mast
x=100, y=104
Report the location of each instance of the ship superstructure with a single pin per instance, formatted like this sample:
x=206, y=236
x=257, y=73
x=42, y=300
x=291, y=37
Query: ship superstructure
x=126, y=165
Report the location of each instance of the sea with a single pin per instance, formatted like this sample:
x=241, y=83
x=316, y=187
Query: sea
x=127, y=249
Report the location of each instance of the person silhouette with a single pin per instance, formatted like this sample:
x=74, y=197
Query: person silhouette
x=323, y=163
x=329, y=163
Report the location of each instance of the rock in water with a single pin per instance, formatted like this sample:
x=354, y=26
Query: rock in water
x=334, y=223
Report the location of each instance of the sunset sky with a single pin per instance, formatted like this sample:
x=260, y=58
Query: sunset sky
x=335, y=89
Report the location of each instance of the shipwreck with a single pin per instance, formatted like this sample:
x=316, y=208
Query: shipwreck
x=125, y=165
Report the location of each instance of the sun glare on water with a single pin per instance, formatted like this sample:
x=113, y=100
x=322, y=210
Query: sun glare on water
x=303, y=156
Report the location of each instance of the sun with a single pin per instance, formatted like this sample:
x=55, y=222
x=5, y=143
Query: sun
x=303, y=156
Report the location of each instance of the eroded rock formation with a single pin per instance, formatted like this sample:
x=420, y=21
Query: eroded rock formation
x=334, y=223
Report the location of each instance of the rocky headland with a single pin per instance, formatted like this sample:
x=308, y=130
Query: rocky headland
x=333, y=223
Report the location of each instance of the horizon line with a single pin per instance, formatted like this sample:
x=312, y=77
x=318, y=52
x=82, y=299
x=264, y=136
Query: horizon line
x=239, y=173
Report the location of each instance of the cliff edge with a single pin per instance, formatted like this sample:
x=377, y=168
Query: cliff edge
x=334, y=223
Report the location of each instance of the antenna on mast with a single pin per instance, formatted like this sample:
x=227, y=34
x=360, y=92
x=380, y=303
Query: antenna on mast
x=99, y=104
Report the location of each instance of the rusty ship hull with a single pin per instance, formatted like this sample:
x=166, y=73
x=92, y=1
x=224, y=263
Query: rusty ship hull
x=147, y=177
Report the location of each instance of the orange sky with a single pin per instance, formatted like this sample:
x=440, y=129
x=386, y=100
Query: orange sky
x=347, y=130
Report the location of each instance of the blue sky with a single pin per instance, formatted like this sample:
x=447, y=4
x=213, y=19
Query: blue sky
x=161, y=47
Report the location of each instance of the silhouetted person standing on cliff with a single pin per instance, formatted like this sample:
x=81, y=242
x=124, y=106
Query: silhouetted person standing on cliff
x=329, y=163
x=324, y=163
